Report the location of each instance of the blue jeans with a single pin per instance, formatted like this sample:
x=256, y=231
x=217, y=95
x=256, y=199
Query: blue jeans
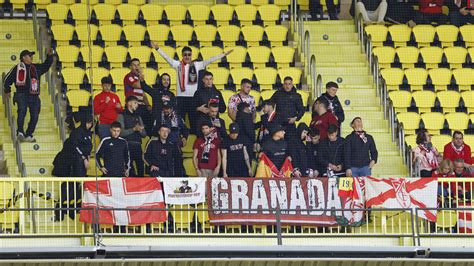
x=362, y=171
x=103, y=131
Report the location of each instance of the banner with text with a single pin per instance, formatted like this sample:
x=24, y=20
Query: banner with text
x=184, y=190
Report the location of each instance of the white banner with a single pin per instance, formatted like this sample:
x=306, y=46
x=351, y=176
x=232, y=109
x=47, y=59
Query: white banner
x=184, y=190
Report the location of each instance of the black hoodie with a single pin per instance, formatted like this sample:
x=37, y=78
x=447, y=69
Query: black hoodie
x=297, y=150
x=158, y=96
x=331, y=152
x=335, y=106
x=246, y=128
x=288, y=104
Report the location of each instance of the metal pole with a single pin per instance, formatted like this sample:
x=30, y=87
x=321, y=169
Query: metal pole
x=413, y=227
x=278, y=225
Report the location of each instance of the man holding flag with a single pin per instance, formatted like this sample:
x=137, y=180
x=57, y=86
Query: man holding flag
x=274, y=159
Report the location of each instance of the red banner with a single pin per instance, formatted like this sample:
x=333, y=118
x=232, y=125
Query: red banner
x=303, y=201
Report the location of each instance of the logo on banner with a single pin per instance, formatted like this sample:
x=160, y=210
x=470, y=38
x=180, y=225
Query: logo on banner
x=401, y=194
x=184, y=190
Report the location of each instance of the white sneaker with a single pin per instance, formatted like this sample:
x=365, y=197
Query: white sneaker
x=20, y=136
x=30, y=139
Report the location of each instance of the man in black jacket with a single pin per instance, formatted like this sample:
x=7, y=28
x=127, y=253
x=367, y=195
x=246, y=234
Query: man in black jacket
x=206, y=95
x=360, y=153
x=335, y=105
x=114, y=151
x=26, y=77
x=312, y=153
x=268, y=119
x=161, y=155
x=218, y=124
x=159, y=95
x=459, y=12
x=297, y=151
x=133, y=130
x=289, y=106
x=276, y=147
x=331, y=152
x=246, y=127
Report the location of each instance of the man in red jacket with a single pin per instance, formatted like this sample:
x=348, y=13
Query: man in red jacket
x=431, y=11
x=457, y=149
x=107, y=106
x=322, y=119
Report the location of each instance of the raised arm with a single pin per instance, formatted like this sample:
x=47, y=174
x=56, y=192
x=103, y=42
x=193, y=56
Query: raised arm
x=171, y=61
x=215, y=58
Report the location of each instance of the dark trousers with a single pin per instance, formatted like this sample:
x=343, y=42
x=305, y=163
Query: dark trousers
x=425, y=173
x=186, y=106
x=146, y=117
x=136, y=157
x=315, y=8
x=78, y=168
x=423, y=18
x=459, y=20
x=26, y=101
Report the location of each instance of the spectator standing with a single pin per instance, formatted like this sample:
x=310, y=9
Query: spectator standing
x=114, y=151
x=289, y=107
x=242, y=96
x=188, y=72
x=206, y=157
x=360, y=152
x=269, y=118
x=430, y=11
x=133, y=130
x=322, y=118
x=107, y=106
x=297, y=151
x=276, y=148
x=334, y=105
x=312, y=151
x=331, y=152
x=178, y=131
x=460, y=13
x=425, y=154
x=372, y=11
x=26, y=76
x=247, y=127
x=159, y=95
x=457, y=149
x=235, y=159
x=218, y=128
x=161, y=155
x=206, y=95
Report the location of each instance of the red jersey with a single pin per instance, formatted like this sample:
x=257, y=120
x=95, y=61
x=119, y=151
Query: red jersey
x=128, y=82
x=452, y=153
x=107, y=112
x=322, y=122
x=200, y=145
x=431, y=6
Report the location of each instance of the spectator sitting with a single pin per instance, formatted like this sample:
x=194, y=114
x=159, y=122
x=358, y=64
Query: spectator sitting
x=463, y=188
x=457, y=149
x=206, y=95
x=460, y=13
x=268, y=119
x=372, y=11
x=159, y=95
x=360, y=153
x=276, y=148
x=297, y=151
x=206, y=156
x=400, y=12
x=331, y=152
x=178, y=131
x=322, y=119
x=445, y=170
x=107, y=106
x=162, y=155
x=235, y=159
x=459, y=168
x=315, y=8
x=334, y=105
x=218, y=127
x=114, y=151
x=430, y=11
x=312, y=153
x=246, y=126
x=242, y=96
x=425, y=154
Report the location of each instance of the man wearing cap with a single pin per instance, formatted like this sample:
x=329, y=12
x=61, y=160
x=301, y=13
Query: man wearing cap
x=360, y=153
x=206, y=95
x=276, y=147
x=107, y=106
x=26, y=76
x=161, y=155
x=235, y=158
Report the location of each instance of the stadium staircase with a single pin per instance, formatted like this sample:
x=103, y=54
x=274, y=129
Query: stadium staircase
x=339, y=58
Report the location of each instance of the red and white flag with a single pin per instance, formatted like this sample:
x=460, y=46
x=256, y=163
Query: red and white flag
x=403, y=193
x=464, y=218
x=124, y=193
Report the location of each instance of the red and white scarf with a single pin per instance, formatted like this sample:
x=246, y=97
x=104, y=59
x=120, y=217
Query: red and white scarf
x=21, y=76
x=182, y=75
x=430, y=156
x=457, y=150
x=362, y=136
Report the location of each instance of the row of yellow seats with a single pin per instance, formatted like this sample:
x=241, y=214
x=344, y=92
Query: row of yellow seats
x=417, y=78
x=116, y=55
x=423, y=35
x=181, y=34
x=425, y=100
x=456, y=56
x=266, y=77
x=434, y=121
x=175, y=14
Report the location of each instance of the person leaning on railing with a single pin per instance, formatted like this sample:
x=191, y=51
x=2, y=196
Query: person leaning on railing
x=425, y=154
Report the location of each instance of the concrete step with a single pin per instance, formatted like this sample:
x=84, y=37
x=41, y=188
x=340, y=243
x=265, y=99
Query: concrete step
x=331, y=58
x=349, y=70
x=341, y=64
x=327, y=37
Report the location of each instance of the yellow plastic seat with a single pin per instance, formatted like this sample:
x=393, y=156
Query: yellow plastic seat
x=293, y=72
x=457, y=121
x=253, y=35
x=424, y=34
x=226, y=94
x=210, y=51
x=135, y=34
x=195, y=52
x=408, y=56
x=236, y=2
x=182, y=219
x=259, y=56
x=73, y=77
x=284, y=55
x=78, y=98
x=229, y=35
x=246, y=14
x=401, y=100
x=416, y=78
x=306, y=118
x=40, y=4
x=434, y=122
x=266, y=77
x=270, y=14
x=240, y=73
x=137, y=2
x=221, y=77
x=222, y=14
x=188, y=148
x=447, y=34
x=79, y=13
x=467, y=32
x=199, y=14
x=432, y=56
x=182, y=34
x=469, y=139
x=410, y=121
x=97, y=74
x=377, y=34
x=256, y=96
x=464, y=78
x=116, y=55
x=57, y=13
x=158, y=33
x=118, y=73
x=104, y=13
x=471, y=52
x=175, y=14
x=446, y=219
x=18, y=4
x=62, y=34
x=304, y=97
x=277, y=34
x=266, y=95
x=159, y=59
x=456, y=56
x=113, y=2
x=152, y=13
x=141, y=52
x=151, y=76
x=92, y=59
x=128, y=13
x=410, y=141
x=439, y=141
x=385, y=56
x=66, y=2
x=237, y=57
x=110, y=34
x=468, y=98
x=283, y=4
x=393, y=78
x=67, y=55
x=400, y=34
x=205, y=34
x=440, y=78
x=259, y=2
x=424, y=100
x=83, y=33
x=449, y=100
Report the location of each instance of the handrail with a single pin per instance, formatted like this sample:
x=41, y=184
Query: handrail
x=307, y=49
x=37, y=34
x=293, y=12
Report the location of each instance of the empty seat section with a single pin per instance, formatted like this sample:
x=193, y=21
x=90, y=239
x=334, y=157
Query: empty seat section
x=199, y=14
x=96, y=76
x=400, y=34
x=158, y=33
x=283, y=55
x=467, y=33
x=222, y=14
x=152, y=13
x=468, y=99
x=449, y=100
x=457, y=121
x=57, y=13
x=92, y=55
x=182, y=34
x=416, y=78
x=208, y=52
x=393, y=78
x=62, y=34
x=432, y=56
x=78, y=98
x=246, y=14
x=104, y=13
x=464, y=78
x=433, y=122
x=410, y=122
x=424, y=35
x=440, y=78
x=237, y=57
x=151, y=76
x=117, y=75
x=176, y=14
x=259, y=56
x=141, y=52
x=240, y=73
x=83, y=35
x=134, y=34
x=73, y=77
x=80, y=14
x=229, y=35
x=110, y=34
x=206, y=34
x=266, y=78
x=159, y=59
x=408, y=56
x=67, y=55
x=116, y=55
x=456, y=56
x=377, y=34
x=253, y=35
x=277, y=35
x=401, y=100
x=447, y=34
x=385, y=56
x=270, y=14
x=221, y=77
x=424, y=100
x=128, y=13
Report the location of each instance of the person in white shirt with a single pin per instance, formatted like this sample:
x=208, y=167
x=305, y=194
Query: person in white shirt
x=187, y=73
